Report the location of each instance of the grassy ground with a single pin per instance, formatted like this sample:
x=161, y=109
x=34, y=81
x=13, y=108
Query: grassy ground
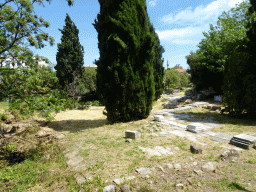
x=107, y=156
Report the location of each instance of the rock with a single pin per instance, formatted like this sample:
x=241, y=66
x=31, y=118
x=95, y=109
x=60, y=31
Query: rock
x=177, y=166
x=168, y=166
x=13, y=129
x=42, y=133
x=180, y=185
x=150, y=130
x=110, y=188
x=125, y=188
x=143, y=171
x=139, y=130
x=144, y=126
x=159, y=118
x=198, y=172
x=196, y=127
x=80, y=179
x=59, y=136
x=195, y=149
x=128, y=140
x=229, y=155
x=188, y=101
x=132, y=134
x=155, y=135
x=122, y=180
x=210, y=166
x=161, y=168
x=156, y=129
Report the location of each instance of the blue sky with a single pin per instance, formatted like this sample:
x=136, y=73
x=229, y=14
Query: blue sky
x=179, y=25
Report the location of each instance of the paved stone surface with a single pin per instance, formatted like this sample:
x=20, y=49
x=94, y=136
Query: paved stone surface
x=187, y=135
x=221, y=137
x=158, y=151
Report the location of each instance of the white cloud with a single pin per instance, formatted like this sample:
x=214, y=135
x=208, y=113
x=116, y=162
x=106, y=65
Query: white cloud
x=201, y=13
x=152, y=3
x=197, y=20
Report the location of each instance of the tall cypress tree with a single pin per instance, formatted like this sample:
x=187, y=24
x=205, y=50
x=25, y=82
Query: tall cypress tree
x=125, y=72
x=158, y=64
x=69, y=57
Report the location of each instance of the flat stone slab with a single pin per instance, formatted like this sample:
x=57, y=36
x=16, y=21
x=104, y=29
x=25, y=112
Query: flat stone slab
x=143, y=171
x=243, y=141
x=122, y=180
x=75, y=161
x=220, y=137
x=158, y=151
x=196, y=127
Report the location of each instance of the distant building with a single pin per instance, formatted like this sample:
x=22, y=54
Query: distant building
x=183, y=71
x=7, y=63
x=90, y=65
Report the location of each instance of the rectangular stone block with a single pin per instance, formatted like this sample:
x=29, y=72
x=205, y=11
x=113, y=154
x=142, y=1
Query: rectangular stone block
x=195, y=127
x=132, y=134
x=243, y=141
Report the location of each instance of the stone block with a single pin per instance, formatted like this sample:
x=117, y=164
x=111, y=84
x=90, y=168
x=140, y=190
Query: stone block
x=110, y=188
x=143, y=171
x=188, y=101
x=243, y=141
x=125, y=188
x=195, y=127
x=195, y=149
x=132, y=134
x=229, y=155
x=159, y=118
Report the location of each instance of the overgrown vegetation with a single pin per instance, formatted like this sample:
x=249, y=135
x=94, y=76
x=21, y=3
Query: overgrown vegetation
x=226, y=58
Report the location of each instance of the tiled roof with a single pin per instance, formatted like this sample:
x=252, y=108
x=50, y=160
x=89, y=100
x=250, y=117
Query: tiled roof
x=182, y=70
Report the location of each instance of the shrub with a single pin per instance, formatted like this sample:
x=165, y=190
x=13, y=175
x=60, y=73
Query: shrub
x=175, y=79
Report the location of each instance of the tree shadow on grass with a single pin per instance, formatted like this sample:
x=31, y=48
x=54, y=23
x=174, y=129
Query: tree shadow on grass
x=73, y=126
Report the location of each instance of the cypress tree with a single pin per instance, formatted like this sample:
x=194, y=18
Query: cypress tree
x=158, y=64
x=125, y=72
x=70, y=55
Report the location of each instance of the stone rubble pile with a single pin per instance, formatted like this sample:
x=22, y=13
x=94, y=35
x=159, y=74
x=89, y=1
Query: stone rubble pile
x=201, y=95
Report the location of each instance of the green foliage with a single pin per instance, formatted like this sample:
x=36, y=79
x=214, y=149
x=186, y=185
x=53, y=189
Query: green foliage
x=125, y=75
x=21, y=82
x=87, y=82
x=69, y=56
x=174, y=79
x=201, y=76
x=210, y=60
x=3, y=117
x=34, y=90
x=239, y=85
x=11, y=148
x=158, y=64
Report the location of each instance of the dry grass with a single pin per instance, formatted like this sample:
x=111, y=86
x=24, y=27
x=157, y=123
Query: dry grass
x=107, y=156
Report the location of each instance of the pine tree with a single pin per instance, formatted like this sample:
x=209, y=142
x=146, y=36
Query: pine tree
x=70, y=55
x=125, y=72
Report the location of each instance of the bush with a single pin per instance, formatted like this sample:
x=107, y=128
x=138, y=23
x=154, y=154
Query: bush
x=239, y=84
x=86, y=83
x=175, y=79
